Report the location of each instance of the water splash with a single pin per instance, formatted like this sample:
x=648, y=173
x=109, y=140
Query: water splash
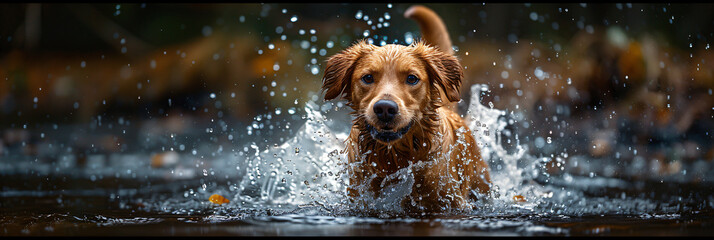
x=305, y=169
x=509, y=171
x=306, y=175
x=309, y=168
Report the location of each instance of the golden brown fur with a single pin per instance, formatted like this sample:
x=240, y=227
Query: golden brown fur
x=445, y=160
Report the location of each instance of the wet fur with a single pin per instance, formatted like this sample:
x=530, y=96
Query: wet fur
x=451, y=166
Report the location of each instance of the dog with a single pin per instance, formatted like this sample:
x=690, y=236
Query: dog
x=404, y=107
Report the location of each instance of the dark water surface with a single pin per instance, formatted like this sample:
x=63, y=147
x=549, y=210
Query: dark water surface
x=111, y=209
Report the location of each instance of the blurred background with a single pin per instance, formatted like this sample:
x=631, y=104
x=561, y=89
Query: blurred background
x=626, y=86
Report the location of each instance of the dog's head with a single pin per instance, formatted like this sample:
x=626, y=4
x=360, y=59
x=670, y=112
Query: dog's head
x=392, y=87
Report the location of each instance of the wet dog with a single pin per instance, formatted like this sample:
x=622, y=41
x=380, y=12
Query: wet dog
x=403, y=99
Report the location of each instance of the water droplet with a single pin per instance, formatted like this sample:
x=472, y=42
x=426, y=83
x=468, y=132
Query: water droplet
x=314, y=70
x=533, y=16
x=207, y=31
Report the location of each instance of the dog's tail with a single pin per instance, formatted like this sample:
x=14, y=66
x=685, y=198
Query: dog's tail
x=433, y=30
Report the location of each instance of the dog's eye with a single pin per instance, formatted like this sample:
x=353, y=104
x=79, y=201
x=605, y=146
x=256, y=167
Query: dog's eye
x=411, y=79
x=368, y=79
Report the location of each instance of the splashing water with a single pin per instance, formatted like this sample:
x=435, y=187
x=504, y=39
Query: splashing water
x=310, y=167
x=488, y=127
x=303, y=170
x=309, y=170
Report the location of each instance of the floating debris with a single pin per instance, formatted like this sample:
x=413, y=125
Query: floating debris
x=218, y=199
x=165, y=159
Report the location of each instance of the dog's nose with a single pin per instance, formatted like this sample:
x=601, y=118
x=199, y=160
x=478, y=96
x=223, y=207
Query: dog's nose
x=385, y=110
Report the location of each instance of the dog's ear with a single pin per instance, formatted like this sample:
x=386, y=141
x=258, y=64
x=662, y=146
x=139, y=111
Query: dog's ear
x=340, y=67
x=444, y=70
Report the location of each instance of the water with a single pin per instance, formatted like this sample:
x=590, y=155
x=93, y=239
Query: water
x=297, y=187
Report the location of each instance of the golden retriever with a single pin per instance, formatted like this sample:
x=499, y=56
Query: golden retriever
x=403, y=99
